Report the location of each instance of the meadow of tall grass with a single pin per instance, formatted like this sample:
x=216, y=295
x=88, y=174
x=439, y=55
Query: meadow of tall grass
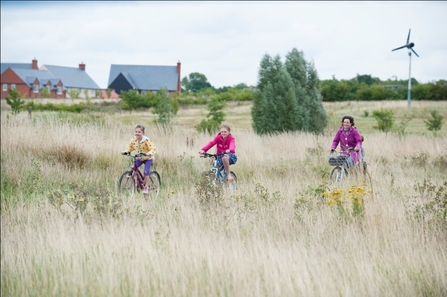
x=285, y=231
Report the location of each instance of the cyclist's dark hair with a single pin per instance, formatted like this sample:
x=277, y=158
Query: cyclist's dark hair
x=351, y=119
x=139, y=126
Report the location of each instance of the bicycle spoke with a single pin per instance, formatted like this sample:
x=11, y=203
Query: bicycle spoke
x=126, y=185
x=154, y=185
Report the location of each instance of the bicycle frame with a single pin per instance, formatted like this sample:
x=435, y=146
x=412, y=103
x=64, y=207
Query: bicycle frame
x=133, y=179
x=219, y=173
x=341, y=165
x=137, y=176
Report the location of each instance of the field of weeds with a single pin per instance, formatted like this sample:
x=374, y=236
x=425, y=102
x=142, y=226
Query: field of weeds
x=285, y=231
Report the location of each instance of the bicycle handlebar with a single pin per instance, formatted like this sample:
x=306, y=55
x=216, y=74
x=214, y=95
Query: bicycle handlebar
x=350, y=149
x=206, y=155
x=135, y=156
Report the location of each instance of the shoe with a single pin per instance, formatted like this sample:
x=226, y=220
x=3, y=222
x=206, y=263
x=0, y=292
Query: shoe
x=146, y=190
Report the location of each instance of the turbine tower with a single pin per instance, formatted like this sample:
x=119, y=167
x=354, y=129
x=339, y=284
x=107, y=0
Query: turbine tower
x=409, y=45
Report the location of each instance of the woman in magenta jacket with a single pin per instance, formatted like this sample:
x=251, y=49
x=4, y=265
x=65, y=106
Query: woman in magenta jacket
x=348, y=137
x=224, y=143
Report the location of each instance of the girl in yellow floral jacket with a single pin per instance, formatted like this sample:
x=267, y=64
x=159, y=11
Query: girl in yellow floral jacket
x=141, y=144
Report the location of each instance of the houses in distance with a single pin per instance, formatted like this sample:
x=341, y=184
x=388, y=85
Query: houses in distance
x=50, y=81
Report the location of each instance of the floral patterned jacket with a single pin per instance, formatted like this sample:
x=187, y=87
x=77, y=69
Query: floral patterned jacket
x=145, y=146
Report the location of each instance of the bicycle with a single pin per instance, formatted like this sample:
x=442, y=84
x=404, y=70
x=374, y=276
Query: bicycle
x=218, y=175
x=133, y=180
x=342, y=167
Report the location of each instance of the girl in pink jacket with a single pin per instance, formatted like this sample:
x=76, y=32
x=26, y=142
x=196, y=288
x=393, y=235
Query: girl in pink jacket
x=225, y=143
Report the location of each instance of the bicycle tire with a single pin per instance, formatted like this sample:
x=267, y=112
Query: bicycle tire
x=126, y=184
x=154, y=185
x=337, y=174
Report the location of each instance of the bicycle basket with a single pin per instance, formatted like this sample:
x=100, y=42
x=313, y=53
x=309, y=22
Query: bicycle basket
x=337, y=160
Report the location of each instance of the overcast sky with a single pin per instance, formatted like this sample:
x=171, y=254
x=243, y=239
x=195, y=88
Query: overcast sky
x=226, y=41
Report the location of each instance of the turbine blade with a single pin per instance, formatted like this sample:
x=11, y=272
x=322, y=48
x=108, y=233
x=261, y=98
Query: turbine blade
x=415, y=53
x=399, y=48
x=408, y=38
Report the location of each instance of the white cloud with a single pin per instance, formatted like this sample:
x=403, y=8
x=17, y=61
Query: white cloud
x=226, y=40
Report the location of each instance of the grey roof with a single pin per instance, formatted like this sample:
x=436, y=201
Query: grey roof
x=29, y=75
x=146, y=77
x=72, y=77
x=5, y=66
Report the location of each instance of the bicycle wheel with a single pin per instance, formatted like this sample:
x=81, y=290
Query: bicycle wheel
x=126, y=184
x=337, y=174
x=154, y=185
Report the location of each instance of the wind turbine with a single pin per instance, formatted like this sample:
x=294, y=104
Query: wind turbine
x=409, y=46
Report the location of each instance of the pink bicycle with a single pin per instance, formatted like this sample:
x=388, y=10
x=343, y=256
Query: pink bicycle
x=132, y=180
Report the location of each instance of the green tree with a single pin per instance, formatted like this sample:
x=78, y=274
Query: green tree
x=275, y=107
x=435, y=123
x=109, y=93
x=14, y=100
x=288, y=96
x=195, y=82
x=45, y=93
x=215, y=116
x=385, y=119
x=315, y=113
x=73, y=93
x=130, y=100
x=163, y=108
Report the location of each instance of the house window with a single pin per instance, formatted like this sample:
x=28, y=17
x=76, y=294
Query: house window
x=79, y=91
x=13, y=86
x=36, y=88
x=143, y=92
x=5, y=87
x=49, y=89
x=59, y=90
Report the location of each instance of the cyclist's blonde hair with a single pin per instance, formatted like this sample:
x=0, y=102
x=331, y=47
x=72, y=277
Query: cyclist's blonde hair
x=226, y=127
x=139, y=126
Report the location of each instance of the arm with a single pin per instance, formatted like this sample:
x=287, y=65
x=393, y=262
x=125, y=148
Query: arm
x=209, y=145
x=232, y=145
x=358, y=140
x=130, y=147
x=148, y=150
x=336, y=140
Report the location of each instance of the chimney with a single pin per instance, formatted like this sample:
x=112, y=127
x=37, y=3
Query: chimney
x=82, y=66
x=34, y=64
x=179, y=85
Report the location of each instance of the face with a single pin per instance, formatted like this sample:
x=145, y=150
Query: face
x=139, y=133
x=224, y=132
x=346, y=124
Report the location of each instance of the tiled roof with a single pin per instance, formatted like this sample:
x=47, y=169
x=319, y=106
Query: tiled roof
x=146, y=77
x=5, y=66
x=29, y=75
x=72, y=77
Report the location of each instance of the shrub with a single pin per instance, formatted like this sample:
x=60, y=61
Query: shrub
x=14, y=100
x=435, y=123
x=385, y=120
x=73, y=93
x=214, y=118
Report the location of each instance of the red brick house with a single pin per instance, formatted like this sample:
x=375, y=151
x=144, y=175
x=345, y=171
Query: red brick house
x=29, y=81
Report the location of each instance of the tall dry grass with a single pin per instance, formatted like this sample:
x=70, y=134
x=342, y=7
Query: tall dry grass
x=276, y=236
